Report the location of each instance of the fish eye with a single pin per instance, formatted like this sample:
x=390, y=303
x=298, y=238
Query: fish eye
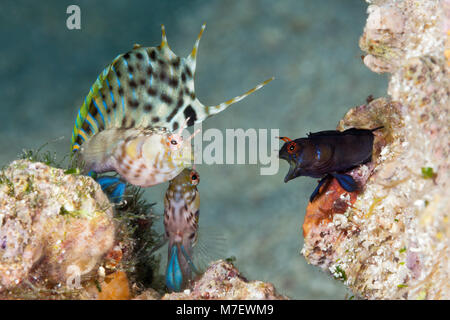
x=292, y=147
x=195, y=179
x=174, y=142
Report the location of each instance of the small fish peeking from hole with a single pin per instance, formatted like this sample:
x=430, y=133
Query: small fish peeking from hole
x=328, y=154
x=181, y=214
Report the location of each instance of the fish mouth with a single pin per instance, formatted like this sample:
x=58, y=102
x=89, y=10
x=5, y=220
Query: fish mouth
x=282, y=155
x=292, y=173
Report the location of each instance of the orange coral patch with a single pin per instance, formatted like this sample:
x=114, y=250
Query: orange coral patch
x=115, y=287
x=329, y=202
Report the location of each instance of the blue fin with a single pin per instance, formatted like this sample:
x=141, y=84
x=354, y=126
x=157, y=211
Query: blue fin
x=346, y=182
x=174, y=276
x=117, y=194
x=118, y=187
x=189, y=260
x=317, y=189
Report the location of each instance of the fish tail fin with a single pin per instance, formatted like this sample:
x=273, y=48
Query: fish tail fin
x=212, y=110
x=174, y=276
x=179, y=268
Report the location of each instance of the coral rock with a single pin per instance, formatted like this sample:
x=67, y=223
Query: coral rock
x=54, y=227
x=392, y=241
x=223, y=281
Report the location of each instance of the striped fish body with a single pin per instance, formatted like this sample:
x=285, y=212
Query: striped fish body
x=148, y=88
x=181, y=214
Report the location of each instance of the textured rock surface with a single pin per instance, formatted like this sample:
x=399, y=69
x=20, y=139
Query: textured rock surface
x=59, y=240
x=223, y=281
x=392, y=240
x=54, y=227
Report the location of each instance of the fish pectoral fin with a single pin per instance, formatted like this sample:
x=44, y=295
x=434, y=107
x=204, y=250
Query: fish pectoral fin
x=346, y=181
x=316, y=191
x=189, y=260
x=174, y=276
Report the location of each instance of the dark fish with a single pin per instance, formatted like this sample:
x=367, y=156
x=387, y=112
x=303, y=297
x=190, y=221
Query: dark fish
x=327, y=154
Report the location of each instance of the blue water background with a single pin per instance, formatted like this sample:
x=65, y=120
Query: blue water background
x=311, y=47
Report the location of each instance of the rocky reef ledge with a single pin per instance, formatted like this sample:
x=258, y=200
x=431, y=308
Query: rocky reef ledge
x=60, y=238
x=391, y=239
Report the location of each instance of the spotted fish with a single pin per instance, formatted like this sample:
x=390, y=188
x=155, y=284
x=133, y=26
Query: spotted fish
x=131, y=111
x=181, y=214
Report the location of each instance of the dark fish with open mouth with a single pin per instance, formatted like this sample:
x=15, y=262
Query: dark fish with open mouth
x=328, y=154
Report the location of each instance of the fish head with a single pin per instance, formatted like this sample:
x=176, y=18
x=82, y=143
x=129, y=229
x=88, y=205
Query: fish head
x=292, y=152
x=186, y=181
x=167, y=152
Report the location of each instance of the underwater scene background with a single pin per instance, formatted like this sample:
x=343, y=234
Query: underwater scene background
x=310, y=47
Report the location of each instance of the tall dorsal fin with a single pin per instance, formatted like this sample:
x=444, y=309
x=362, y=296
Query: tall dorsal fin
x=192, y=58
x=164, y=42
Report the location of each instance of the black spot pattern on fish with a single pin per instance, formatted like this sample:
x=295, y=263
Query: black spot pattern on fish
x=173, y=82
x=166, y=98
x=188, y=72
x=151, y=91
x=152, y=55
x=148, y=107
x=176, y=62
x=132, y=83
x=146, y=87
x=190, y=113
x=180, y=102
